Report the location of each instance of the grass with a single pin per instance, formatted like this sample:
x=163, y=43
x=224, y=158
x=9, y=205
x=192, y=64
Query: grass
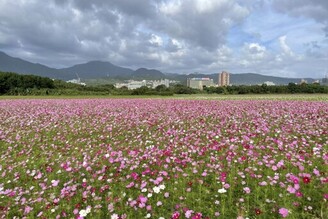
x=303, y=97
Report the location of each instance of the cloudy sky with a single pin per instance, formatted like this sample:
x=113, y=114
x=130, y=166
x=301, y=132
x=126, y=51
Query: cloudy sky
x=271, y=37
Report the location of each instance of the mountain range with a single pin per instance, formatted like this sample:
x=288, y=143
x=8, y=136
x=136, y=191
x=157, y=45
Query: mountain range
x=106, y=70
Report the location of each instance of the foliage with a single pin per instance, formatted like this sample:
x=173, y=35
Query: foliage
x=15, y=84
x=291, y=88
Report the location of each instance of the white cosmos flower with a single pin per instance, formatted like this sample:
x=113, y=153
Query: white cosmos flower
x=223, y=190
x=83, y=213
x=162, y=186
x=114, y=216
x=156, y=189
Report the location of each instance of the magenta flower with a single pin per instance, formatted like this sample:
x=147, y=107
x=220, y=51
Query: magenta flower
x=306, y=180
x=175, y=215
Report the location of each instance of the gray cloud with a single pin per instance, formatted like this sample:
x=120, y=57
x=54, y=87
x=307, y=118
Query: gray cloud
x=317, y=10
x=201, y=23
x=120, y=31
x=170, y=35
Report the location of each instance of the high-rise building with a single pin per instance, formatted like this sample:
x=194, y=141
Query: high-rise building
x=224, y=79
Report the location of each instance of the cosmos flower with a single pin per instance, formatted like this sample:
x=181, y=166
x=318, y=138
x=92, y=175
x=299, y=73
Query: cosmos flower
x=114, y=216
x=306, y=180
x=54, y=183
x=156, y=189
x=247, y=190
x=223, y=190
x=283, y=212
x=83, y=213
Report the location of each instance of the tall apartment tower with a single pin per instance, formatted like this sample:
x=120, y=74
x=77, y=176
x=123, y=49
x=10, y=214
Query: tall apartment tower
x=224, y=79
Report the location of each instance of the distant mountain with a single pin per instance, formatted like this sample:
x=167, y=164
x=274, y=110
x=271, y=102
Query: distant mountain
x=241, y=78
x=11, y=64
x=102, y=70
x=252, y=78
x=97, y=69
x=148, y=74
x=90, y=70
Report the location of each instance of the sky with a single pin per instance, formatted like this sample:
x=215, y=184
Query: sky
x=287, y=38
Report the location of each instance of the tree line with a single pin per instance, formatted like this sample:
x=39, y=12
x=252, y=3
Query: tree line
x=291, y=88
x=15, y=84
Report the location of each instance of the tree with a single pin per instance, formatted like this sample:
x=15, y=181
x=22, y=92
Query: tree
x=161, y=87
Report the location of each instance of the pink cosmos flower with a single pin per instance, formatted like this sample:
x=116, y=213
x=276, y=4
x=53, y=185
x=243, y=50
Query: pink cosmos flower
x=189, y=213
x=291, y=189
x=158, y=180
x=110, y=207
x=54, y=183
x=142, y=199
x=131, y=184
x=226, y=186
x=283, y=212
x=316, y=172
x=27, y=209
x=247, y=190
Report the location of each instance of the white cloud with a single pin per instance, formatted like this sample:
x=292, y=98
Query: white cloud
x=286, y=49
x=156, y=40
x=253, y=54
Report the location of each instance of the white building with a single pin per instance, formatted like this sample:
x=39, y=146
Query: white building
x=131, y=85
x=76, y=81
x=269, y=83
x=165, y=82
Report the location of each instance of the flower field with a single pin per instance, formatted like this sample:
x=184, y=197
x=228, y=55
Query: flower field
x=143, y=158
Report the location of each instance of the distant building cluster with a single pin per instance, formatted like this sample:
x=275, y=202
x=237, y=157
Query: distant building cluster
x=200, y=83
x=196, y=83
x=131, y=84
x=165, y=82
x=324, y=81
